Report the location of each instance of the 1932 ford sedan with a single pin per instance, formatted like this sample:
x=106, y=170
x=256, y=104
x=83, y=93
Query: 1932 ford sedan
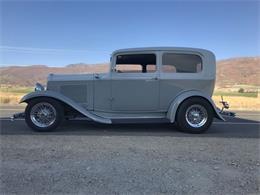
x=162, y=83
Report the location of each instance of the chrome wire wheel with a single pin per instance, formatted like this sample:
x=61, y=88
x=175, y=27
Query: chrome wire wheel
x=43, y=114
x=196, y=115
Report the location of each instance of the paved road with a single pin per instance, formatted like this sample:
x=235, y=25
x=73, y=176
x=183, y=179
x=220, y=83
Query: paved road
x=85, y=157
x=9, y=110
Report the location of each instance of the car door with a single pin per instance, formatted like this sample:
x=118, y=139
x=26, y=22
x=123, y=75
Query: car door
x=135, y=83
x=102, y=92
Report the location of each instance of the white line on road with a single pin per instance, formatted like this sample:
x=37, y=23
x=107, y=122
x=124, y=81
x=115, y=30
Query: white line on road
x=4, y=109
x=248, y=114
x=237, y=123
x=8, y=119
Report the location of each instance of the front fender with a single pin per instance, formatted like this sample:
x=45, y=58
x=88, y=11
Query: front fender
x=187, y=94
x=66, y=100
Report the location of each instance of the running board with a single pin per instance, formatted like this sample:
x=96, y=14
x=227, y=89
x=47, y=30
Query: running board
x=140, y=120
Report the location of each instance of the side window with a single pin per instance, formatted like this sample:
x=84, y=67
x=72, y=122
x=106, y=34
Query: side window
x=136, y=63
x=181, y=63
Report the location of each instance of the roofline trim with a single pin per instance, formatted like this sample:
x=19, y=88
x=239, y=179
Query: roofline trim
x=160, y=49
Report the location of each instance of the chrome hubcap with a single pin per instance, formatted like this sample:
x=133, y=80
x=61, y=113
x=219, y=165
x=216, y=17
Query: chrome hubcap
x=196, y=115
x=43, y=114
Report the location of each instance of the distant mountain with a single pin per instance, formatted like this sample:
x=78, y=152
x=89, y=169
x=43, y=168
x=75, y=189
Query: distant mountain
x=230, y=72
x=29, y=75
x=238, y=71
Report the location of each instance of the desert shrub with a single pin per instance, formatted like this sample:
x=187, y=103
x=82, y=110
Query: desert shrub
x=5, y=100
x=241, y=90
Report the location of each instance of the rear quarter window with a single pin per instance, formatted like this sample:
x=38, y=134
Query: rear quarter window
x=181, y=63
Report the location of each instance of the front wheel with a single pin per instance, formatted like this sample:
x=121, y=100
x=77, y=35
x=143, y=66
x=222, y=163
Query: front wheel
x=44, y=114
x=195, y=115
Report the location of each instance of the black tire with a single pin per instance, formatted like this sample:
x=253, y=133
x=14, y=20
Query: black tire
x=183, y=124
x=59, y=114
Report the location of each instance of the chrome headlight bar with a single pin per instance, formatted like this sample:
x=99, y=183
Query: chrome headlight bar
x=39, y=87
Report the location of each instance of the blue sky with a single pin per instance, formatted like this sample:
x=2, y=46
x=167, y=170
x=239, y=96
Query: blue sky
x=63, y=32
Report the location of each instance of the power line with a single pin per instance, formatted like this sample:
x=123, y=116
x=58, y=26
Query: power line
x=46, y=50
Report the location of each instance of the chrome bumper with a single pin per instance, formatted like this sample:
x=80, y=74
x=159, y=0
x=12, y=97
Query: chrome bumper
x=17, y=116
x=227, y=113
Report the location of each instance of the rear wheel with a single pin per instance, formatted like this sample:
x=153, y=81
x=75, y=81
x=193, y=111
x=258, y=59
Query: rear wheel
x=195, y=115
x=44, y=114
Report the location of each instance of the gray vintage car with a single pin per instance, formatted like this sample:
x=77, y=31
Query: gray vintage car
x=168, y=84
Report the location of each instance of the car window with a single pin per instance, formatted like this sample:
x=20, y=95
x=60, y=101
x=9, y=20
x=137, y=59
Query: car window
x=181, y=63
x=136, y=63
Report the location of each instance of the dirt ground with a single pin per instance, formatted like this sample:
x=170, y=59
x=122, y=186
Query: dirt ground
x=240, y=103
x=88, y=158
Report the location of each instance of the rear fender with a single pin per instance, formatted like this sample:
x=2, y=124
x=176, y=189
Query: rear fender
x=66, y=100
x=171, y=114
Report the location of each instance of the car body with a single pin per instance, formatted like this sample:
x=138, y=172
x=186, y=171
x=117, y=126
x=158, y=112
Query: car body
x=142, y=84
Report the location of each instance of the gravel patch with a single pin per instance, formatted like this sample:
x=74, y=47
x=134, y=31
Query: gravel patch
x=118, y=164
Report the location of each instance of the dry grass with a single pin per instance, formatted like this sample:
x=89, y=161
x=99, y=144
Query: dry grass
x=9, y=98
x=13, y=94
x=240, y=103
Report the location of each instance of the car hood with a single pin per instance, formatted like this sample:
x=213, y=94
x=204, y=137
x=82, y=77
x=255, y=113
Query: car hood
x=70, y=77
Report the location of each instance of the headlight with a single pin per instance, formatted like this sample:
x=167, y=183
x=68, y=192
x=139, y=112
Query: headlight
x=38, y=87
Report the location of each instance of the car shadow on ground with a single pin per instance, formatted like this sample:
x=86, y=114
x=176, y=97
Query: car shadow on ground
x=232, y=128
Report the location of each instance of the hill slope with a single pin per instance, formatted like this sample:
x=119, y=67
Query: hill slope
x=236, y=71
x=29, y=75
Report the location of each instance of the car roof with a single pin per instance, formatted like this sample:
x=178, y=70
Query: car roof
x=139, y=49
